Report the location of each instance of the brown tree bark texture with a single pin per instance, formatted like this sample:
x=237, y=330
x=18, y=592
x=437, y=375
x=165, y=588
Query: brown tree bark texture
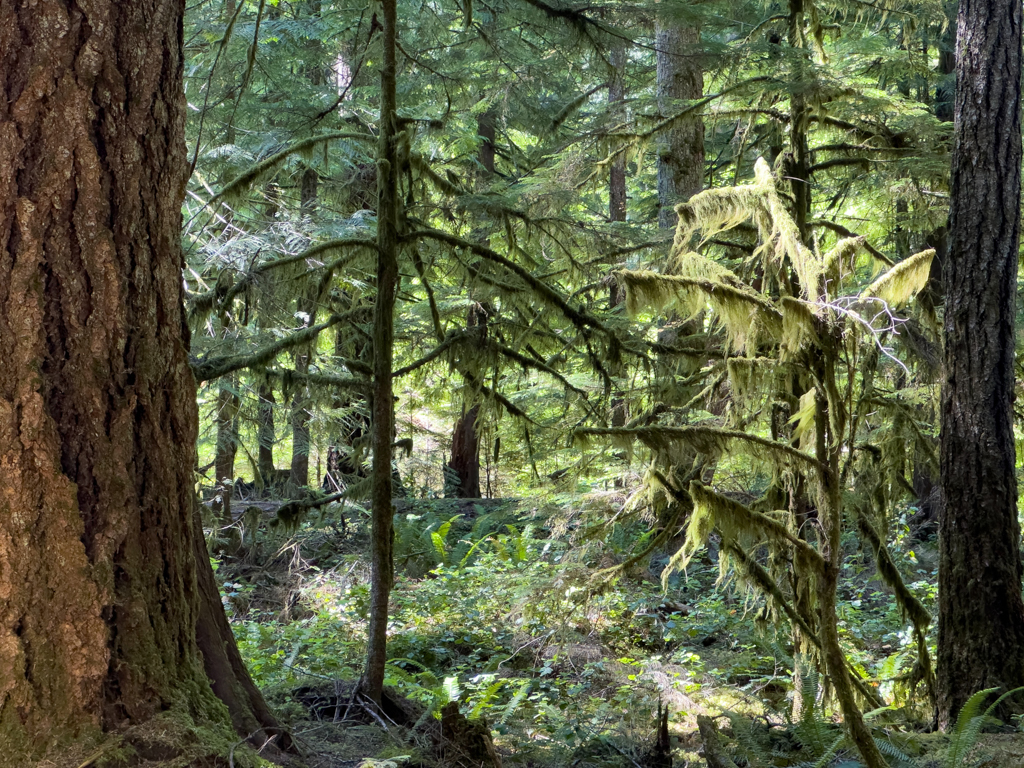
x=383, y=399
x=98, y=571
x=681, y=148
x=465, y=463
x=981, y=615
x=265, y=432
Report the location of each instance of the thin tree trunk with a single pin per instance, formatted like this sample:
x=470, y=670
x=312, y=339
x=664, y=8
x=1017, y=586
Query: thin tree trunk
x=830, y=513
x=265, y=433
x=799, y=115
x=100, y=580
x=226, y=419
x=300, y=427
x=465, y=461
x=981, y=615
x=383, y=405
x=616, y=213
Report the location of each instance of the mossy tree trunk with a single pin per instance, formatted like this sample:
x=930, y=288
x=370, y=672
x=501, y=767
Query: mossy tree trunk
x=382, y=391
x=101, y=559
x=981, y=615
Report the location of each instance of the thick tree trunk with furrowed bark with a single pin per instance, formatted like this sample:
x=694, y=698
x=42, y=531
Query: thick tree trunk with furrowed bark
x=100, y=553
x=981, y=615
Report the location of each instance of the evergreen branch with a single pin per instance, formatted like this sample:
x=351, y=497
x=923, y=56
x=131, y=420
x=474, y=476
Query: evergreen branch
x=508, y=405
x=703, y=439
x=252, y=175
x=208, y=369
x=732, y=517
x=318, y=379
x=578, y=318
x=450, y=340
x=664, y=124
x=572, y=106
x=445, y=186
x=576, y=18
x=201, y=303
x=541, y=366
x=756, y=574
x=209, y=80
x=909, y=605
x=839, y=162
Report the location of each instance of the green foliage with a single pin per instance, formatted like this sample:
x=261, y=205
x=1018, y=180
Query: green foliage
x=969, y=722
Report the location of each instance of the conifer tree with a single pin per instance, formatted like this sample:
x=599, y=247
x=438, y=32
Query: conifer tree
x=981, y=614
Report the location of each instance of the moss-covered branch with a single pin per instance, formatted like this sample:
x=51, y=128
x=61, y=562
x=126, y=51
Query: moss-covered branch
x=705, y=440
x=580, y=319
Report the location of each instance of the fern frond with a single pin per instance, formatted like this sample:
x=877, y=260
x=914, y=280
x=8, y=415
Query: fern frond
x=517, y=699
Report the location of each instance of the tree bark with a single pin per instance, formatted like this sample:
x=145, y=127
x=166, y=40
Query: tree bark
x=99, y=566
x=681, y=147
x=265, y=433
x=981, y=615
x=383, y=405
x=465, y=463
x=300, y=427
x=226, y=420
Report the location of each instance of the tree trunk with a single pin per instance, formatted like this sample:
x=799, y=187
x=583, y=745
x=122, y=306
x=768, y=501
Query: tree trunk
x=226, y=420
x=465, y=463
x=300, y=427
x=99, y=583
x=383, y=405
x=617, y=212
x=680, y=148
x=981, y=615
x=265, y=434
x=617, y=171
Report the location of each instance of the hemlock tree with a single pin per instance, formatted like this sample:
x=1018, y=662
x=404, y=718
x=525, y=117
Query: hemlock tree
x=981, y=615
x=108, y=605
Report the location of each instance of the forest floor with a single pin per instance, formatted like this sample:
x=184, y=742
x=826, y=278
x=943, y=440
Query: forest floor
x=516, y=611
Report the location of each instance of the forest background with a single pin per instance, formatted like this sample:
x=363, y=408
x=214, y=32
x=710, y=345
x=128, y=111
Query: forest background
x=560, y=329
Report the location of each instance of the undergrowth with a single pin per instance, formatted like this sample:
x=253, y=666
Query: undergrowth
x=523, y=628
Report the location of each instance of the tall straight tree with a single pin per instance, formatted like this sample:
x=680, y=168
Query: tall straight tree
x=981, y=615
x=108, y=605
x=382, y=407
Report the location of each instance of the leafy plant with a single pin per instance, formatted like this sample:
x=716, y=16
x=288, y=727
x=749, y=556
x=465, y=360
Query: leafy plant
x=969, y=723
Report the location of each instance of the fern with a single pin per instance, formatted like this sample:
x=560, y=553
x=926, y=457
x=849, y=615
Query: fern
x=968, y=725
x=517, y=699
x=490, y=694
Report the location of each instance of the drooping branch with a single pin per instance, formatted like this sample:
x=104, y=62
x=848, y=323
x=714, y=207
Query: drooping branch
x=703, y=439
x=252, y=175
x=220, y=296
x=580, y=319
x=208, y=369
